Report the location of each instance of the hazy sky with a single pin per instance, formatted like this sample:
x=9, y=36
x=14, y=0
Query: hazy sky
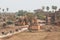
x=15, y=5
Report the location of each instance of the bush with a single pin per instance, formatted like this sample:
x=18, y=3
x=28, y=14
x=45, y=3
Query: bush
x=11, y=31
x=9, y=22
x=4, y=25
x=16, y=30
x=3, y=33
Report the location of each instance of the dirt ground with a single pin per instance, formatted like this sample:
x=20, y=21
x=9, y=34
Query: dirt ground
x=35, y=36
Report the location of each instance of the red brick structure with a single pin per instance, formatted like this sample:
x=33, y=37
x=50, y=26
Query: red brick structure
x=35, y=25
x=53, y=18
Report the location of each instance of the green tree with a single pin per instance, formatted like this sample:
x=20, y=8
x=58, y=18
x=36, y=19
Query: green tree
x=21, y=12
x=40, y=14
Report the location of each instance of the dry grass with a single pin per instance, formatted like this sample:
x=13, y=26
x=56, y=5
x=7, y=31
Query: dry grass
x=35, y=36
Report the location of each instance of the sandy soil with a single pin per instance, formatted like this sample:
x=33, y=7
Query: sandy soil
x=35, y=36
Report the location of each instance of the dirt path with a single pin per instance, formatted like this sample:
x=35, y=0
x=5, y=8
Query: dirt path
x=35, y=36
x=53, y=36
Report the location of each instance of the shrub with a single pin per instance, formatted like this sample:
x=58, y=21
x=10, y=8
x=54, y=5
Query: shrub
x=10, y=31
x=9, y=22
x=4, y=25
x=16, y=30
x=3, y=33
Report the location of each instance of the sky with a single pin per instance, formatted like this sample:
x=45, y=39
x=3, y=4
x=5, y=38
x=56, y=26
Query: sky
x=15, y=5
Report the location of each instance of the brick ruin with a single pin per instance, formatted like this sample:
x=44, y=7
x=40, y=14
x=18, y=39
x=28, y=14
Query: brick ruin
x=53, y=18
x=34, y=25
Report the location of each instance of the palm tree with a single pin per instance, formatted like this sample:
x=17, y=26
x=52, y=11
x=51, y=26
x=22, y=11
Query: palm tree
x=47, y=8
x=43, y=7
x=54, y=8
x=7, y=9
x=0, y=9
x=3, y=10
x=54, y=17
